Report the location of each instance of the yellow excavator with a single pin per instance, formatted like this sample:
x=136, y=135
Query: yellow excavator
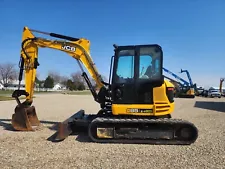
x=135, y=104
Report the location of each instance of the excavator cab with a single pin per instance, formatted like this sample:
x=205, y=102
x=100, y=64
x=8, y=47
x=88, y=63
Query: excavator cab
x=129, y=85
x=135, y=74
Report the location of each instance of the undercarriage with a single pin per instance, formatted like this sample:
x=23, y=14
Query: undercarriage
x=111, y=129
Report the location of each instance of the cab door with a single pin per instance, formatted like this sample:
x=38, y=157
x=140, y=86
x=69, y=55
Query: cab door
x=123, y=81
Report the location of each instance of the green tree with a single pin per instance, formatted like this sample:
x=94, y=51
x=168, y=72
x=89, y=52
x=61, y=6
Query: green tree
x=70, y=85
x=80, y=85
x=49, y=82
x=78, y=81
x=38, y=82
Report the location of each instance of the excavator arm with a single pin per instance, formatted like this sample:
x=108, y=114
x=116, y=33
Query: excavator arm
x=25, y=118
x=77, y=48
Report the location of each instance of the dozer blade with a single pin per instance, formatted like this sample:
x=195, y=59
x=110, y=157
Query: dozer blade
x=65, y=128
x=63, y=132
x=25, y=118
x=143, y=131
x=78, y=122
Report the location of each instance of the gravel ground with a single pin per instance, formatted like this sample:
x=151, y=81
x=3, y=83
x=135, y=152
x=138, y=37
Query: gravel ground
x=32, y=150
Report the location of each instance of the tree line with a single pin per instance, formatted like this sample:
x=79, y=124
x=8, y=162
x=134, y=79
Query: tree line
x=74, y=82
x=9, y=73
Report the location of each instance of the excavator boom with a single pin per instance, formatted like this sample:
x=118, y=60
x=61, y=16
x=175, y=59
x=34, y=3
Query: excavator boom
x=25, y=118
x=76, y=48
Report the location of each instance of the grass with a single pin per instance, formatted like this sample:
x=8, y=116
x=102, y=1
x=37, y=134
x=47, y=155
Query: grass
x=5, y=98
x=85, y=92
x=6, y=94
x=11, y=91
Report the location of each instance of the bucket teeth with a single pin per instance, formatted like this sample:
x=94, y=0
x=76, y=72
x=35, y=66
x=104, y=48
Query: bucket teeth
x=25, y=119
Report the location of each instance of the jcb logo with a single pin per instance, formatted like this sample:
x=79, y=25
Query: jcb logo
x=70, y=48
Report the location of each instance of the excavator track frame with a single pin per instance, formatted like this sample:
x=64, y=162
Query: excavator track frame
x=161, y=131
x=143, y=131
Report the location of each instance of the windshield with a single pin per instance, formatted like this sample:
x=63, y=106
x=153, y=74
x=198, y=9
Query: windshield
x=150, y=63
x=148, y=67
x=125, y=68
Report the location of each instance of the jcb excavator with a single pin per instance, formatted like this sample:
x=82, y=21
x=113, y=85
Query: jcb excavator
x=134, y=107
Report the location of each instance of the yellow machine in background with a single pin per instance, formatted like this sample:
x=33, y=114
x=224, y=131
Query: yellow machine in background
x=185, y=90
x=134, y=107
x=181, y=91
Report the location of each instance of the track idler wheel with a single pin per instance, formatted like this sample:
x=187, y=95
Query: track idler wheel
x=186, y=133
x=25, y=118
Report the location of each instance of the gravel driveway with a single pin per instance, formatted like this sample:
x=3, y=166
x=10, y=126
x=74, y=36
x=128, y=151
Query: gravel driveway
x=32, y=150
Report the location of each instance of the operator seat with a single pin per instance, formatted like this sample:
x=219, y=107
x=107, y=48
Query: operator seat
x=148, y=71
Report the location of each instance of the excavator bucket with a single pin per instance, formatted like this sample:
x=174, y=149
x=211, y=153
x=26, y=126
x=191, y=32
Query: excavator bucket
x=25, y=118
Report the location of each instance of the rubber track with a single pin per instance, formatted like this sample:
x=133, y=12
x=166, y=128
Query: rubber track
x=143, y=141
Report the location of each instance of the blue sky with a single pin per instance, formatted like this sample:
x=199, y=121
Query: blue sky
x=191, y=32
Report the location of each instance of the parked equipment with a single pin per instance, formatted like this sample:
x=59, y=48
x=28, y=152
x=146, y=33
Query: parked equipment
x=184, y=90
x=198, y=91
x=177, y=86
x=214, y=93
x=135, y=107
